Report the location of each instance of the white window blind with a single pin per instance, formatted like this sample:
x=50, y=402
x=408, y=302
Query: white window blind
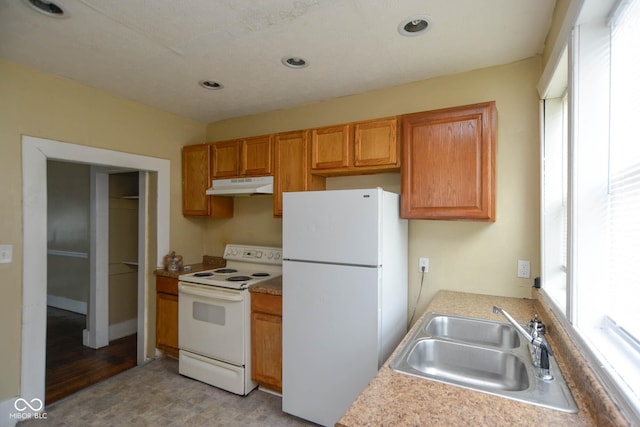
x=609, y=292
x=623, y=210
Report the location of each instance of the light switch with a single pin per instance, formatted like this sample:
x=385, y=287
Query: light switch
x=6, y=254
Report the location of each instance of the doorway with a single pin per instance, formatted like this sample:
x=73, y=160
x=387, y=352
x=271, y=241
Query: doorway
x=153, y=236
x=71, y=364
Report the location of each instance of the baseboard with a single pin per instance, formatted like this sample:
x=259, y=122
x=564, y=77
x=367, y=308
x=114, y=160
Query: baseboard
x=123, y=329
x=67, y=304
x=6, y=411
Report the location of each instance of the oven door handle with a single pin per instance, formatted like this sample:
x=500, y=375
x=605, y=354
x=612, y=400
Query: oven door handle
x=210, y=293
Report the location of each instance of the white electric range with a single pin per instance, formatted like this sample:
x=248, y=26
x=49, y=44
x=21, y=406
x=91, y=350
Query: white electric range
x=214, y=317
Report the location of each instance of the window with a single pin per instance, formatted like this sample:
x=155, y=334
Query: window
x=598, y=175
x=554, y=198
x=623, y=216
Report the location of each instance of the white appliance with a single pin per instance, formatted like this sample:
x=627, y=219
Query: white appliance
x=241, y=186
x=344, y=296
x=214, y=317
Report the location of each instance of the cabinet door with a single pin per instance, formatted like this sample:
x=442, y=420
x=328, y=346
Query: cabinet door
x=448, y=163
x=376, y=143
x=266, y=350
x=292, y=171
x=195, y=180
x=256, y=156
x=330, y=147
x=226, y=157
x=167, y=323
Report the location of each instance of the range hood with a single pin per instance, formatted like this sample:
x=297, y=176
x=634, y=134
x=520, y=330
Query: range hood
x=241, y=186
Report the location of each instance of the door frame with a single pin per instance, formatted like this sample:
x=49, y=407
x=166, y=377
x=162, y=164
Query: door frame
x=35, y=153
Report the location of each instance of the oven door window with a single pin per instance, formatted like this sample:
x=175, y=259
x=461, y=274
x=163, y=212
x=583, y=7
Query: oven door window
x=209, y=313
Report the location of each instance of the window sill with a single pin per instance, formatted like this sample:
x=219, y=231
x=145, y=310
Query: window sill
x=604, y=403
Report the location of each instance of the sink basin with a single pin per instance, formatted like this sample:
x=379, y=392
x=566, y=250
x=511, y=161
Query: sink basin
x=473, y=331
x=468, y=365
x=481, y=355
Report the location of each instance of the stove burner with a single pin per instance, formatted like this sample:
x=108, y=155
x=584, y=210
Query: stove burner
x=238, y=278
x=225, y=270
x=260, y=274
x=207, y=274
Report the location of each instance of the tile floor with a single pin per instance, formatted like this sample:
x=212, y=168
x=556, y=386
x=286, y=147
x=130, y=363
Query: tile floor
x=156, y=395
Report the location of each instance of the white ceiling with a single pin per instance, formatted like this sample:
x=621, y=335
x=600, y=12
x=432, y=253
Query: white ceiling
x=156, y=51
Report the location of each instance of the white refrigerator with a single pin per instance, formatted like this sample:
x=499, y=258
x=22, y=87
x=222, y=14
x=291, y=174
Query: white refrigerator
x=344, y=295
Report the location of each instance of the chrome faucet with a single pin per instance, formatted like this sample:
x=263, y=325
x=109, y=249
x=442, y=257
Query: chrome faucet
x=536, y=329
x=541, y=351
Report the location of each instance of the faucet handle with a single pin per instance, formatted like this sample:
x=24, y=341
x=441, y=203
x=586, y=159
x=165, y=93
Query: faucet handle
x=536, y=326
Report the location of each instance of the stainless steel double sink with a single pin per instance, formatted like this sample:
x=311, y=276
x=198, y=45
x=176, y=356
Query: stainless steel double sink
x=482, y=355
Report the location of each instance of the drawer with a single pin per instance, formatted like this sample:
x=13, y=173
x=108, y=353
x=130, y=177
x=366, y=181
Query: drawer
x=266, y=303
x=167, y=285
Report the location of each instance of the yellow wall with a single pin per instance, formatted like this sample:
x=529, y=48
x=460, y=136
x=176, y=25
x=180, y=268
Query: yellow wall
x=38, y=104
x=466, y=256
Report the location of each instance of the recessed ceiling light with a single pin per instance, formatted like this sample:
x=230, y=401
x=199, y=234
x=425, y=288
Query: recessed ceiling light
x=47, y=7
x=295, y=62
x=210, y=84
x=414, y=25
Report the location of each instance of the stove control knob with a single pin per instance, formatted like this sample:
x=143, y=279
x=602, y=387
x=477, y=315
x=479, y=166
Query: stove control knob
x=277, y=256
x=270, y=255
x=258, y=254
x=234, y=252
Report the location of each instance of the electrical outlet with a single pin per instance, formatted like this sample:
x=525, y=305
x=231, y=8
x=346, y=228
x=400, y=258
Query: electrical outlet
x=524, y=268
x=424, y=263
x=6, y=254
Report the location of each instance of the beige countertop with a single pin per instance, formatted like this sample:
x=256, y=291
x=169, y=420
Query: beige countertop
x=271, y=286
x=395, y=399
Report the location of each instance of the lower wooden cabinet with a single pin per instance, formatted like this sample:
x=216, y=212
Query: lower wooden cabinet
x=167, y=315
x=266, y=340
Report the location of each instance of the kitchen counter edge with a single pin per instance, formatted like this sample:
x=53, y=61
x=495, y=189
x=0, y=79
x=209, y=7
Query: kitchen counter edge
x=270, y=287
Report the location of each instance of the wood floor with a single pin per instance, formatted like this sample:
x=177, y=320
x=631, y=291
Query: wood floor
x=70, y=365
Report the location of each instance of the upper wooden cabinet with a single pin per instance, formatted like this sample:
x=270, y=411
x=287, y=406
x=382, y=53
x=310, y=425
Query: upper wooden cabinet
x=245, y=157
x=256, y=156
x=375, y=144
x=196, y=178
x=356, y=148
x=448, y=163
x=292, y=157
x=330, y=147
x=225, y=159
